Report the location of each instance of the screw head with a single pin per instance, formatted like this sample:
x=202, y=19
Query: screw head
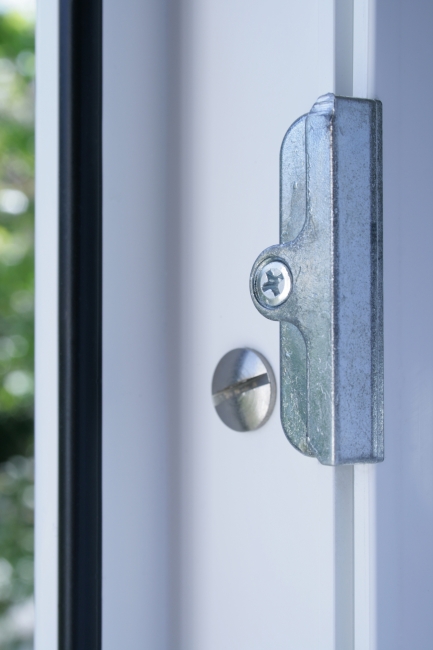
x=272, y=283
x=244, y=389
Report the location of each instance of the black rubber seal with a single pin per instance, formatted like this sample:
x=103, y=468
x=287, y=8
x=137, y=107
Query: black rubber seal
x=80, y=323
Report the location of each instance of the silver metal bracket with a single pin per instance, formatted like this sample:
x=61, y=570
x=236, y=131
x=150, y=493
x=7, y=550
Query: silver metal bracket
x=323, y=282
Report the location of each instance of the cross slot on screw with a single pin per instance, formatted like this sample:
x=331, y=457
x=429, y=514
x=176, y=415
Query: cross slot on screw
x=273, y=284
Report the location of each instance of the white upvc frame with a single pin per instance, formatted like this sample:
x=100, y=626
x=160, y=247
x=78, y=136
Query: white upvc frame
x=46, y=317
x=370, y=587
x=403, y=52
x=248, y=71
x=138, y=283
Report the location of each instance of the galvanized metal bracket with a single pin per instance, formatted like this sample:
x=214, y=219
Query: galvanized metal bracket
x=332, y=318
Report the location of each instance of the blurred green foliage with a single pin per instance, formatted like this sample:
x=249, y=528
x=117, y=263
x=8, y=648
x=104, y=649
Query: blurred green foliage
x=16, y=330
x=16, y=531
x=16, y=235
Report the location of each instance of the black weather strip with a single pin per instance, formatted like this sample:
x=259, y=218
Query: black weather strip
x=80, y=261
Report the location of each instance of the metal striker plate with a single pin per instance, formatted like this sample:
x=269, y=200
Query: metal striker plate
x=331, y=337
x=244, y=389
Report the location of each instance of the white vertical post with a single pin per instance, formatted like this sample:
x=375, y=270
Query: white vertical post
x=364, y=557
x=362, y=40
x=46, y=348
x=364, y=475
x=344, y=475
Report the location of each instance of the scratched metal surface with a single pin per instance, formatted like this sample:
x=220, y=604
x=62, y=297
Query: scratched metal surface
x=331, y=324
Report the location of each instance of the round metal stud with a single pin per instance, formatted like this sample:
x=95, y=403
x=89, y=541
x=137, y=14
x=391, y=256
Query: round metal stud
x=244, y=389
x=273, y=283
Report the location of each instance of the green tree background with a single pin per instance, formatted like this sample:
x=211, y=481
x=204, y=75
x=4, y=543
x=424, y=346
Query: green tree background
x=16, y=330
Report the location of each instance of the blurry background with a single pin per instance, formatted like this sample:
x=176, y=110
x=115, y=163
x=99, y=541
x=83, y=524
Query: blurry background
x=16, y=323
